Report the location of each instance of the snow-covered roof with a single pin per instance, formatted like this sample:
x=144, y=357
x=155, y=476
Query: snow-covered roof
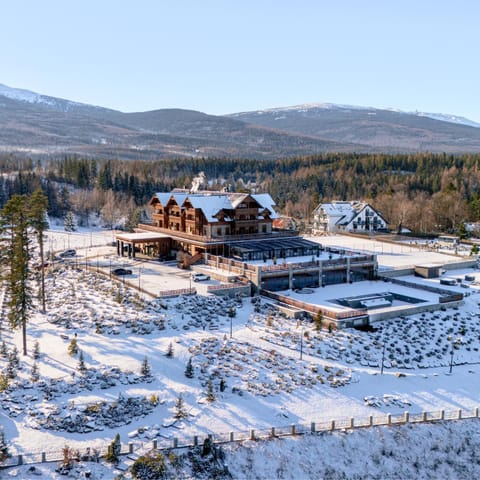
x=345, y=211
x=266, y=201
x=212, y=202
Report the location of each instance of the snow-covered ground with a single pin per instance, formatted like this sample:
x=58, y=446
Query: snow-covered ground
x=276, y=371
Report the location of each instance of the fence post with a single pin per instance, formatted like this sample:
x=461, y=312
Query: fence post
x=292, y=430
x=475, y=412
x=232, y=437
x=332, y=426
x=20, y=460
x=44, y=457
x=312, y=427
x=130, y=447
x=195, y=440
x=459, y=413
x=406, y=417
x=370, y=420
x=272, y=432
x=154, y=444
x=389, y=418
x=252, y=434
x=175, y=442
x=424, y=416
x=442, y=414
x=352, y=422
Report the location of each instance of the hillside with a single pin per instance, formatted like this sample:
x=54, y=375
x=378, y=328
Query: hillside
x=41, y=125
x=373, y=128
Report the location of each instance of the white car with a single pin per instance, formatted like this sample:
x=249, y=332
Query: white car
x=200, y=277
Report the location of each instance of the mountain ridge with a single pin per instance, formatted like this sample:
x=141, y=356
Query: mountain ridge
x=38, y=124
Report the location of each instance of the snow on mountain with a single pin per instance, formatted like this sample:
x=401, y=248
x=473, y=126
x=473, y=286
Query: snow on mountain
x=28, y=96
x=312, y=107
x=445, y=117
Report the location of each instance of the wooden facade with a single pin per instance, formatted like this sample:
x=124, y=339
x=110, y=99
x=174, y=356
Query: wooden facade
x=200, y=221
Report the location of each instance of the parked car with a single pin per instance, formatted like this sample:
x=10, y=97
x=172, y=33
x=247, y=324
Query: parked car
x=200, y=277
x=68, y=253
x=121, y=271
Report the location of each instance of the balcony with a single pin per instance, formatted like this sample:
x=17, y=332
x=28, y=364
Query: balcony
x=204, y=240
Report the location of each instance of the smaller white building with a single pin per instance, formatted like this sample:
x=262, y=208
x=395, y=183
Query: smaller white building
x=352, y=216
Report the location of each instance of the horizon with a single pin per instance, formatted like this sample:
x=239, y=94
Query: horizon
x=220, y=58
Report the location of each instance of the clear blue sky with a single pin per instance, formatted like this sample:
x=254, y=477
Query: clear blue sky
x=228, y=56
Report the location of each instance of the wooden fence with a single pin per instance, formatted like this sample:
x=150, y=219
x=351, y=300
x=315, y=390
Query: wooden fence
x=342, y=424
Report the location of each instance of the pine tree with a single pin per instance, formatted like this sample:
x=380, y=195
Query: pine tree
x=11, y=367
x=39, y=224
x=180, y=409
x=36, y=350
x=3, y=447
x=223, y=384
x=15, y=257
x=73, y=347
x=34, y=374
x=14, y=356
x=81, y=363
x=210, y=392
x=69, y=222
x=169, y=353
x=189, y=369
x=145, y=369
x=3, y=350
x=318, y=321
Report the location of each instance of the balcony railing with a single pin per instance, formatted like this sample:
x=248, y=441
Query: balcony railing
x=220, y=239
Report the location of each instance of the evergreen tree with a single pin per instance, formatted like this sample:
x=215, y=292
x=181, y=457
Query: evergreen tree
x=210, y=392
x=169, y=353
x=189, y=369
x=36, y=350
x=180, y=409
x=318, y=321
x=3, y=350
x=145, y=369
x=81, y=363
x=39, y=224
x=11, y=367
x=114, y=450
x=69, y=223
x=34, y=374
x=16, y=255
x=14, y=357
x=3, y=447
x=223, y=384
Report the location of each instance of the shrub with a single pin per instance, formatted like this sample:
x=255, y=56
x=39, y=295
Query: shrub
x=73, y=347
x=114, y=450
x=149, y=466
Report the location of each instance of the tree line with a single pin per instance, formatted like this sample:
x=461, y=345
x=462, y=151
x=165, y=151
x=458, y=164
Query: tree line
x=425, y=192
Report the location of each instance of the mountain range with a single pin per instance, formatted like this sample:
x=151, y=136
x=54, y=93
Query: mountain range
x=39, y=125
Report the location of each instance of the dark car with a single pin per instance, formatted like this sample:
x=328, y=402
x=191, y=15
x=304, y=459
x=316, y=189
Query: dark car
x=68, y=253
x=122, y=271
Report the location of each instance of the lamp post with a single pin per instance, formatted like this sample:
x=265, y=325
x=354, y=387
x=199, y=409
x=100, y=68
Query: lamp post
x=301, y=343
x=139, y=273
x=455, y=342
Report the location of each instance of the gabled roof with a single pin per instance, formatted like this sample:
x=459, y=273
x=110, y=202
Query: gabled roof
x=266, y=201
x=213, y=202
x=345, y=212
x=210, y=204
